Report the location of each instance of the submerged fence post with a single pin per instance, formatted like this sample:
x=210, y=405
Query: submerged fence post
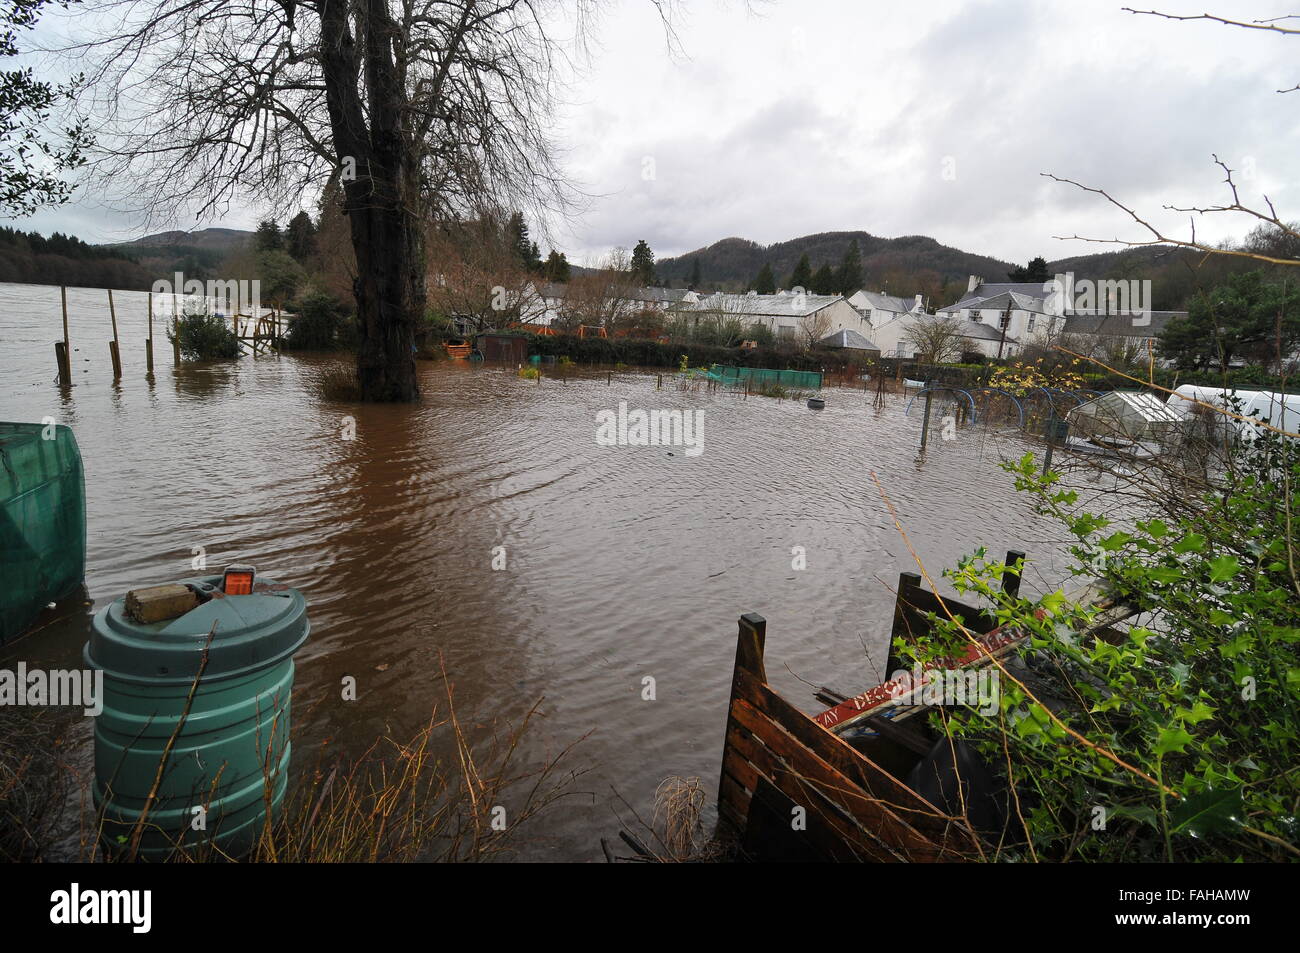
x=148, y=342
x=176, y=333
x=925, y=424
x=114, y=349
x=61, y=361
x=1055, y=434
x=1011, y=575
x=62, y=350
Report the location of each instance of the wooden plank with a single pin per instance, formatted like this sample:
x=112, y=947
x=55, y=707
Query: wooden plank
x=733, y=799
x=751, y=636
x=826, y=825
x=994, y=644
x=850, y=762
x=804, y=765
x=771, y=837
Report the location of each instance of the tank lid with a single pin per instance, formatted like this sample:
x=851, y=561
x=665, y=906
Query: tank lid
x=248, y=632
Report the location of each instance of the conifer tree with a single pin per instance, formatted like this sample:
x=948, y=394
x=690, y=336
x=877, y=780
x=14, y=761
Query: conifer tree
x=802, y=276
x=643, y=264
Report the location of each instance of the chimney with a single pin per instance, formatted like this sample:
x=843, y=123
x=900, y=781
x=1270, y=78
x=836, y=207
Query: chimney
x=973, y=283
x=917, y=306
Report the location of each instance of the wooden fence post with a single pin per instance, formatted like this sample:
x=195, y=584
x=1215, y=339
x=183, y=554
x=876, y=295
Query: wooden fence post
x=114, y=348
x=1011, y=575
x=148, y=341
x=925, y=424
x=61, y=360
x=62, y=350
x=176, y=332
x=750, y=640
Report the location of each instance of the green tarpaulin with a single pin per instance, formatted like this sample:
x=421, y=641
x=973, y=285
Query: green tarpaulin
x=42, y=521
x=760, y=376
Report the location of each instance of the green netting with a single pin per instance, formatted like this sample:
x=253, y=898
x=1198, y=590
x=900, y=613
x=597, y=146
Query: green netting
x=760, y=376
x=42, y=521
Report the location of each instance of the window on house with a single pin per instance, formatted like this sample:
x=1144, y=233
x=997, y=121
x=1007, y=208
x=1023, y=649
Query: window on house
x=1029, y=325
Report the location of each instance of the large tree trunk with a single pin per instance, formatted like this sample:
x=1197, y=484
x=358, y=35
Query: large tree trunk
x=390, y=296
x=382, y=199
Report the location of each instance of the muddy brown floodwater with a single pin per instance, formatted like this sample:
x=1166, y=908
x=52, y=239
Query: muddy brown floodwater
x=622, y=563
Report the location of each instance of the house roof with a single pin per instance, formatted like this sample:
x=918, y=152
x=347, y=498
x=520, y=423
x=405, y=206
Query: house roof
x=552, y=289
x=991, y=289
x=669, y=295
x=1121, y=325
x=777, y=305
x=1016, y=300
x=977, y=329
x=884, y=302
x=846, y=337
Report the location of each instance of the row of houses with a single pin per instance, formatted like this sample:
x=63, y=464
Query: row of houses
x=992, y=319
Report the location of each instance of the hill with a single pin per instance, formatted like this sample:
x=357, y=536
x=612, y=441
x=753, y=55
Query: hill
x=733, y=262
x=916, y=264
x=207, y=239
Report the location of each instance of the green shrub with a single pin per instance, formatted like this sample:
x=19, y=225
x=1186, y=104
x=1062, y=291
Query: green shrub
x=316, y=325
x=761, y=334
x=1173, y=740
x=204, y=337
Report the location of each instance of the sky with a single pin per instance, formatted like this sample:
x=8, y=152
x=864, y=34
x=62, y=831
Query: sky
x=778, y=119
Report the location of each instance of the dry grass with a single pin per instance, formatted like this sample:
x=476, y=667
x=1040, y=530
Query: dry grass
x=676, y=829
x=397, y=801
x=338, y=382
x=34, y=783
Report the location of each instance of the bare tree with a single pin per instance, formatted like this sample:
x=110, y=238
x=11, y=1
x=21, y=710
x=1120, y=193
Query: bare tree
x=720, y=319
x=935, y=338
x=603, y=296
x=814, y=327
x=475, y=275
x=421, y=109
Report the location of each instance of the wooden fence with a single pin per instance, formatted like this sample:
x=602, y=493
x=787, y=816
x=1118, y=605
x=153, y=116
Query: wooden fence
x=795, y=791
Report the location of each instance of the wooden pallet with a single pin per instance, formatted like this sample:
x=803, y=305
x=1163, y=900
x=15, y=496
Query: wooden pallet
x=780, y=767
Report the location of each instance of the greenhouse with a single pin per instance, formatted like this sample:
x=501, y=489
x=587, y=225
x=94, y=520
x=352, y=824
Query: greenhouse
x=1133, y=416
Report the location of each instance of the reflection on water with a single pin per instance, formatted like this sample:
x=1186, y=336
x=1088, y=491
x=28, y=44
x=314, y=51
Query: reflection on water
x=621, y=562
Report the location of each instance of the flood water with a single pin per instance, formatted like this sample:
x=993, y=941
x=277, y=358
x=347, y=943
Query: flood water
x=621, y=562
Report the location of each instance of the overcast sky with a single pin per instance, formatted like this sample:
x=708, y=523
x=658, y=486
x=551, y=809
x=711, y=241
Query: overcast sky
x=932, y=118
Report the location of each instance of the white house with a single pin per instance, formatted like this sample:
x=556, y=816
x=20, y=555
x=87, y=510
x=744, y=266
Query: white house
x=783, y=313
x=888, y=319
x=1004, y=316
x=998, y=318
x=880, y=307
x=543, y=303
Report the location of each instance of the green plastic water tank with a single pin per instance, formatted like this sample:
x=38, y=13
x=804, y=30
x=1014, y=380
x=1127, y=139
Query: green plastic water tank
x=230, y=753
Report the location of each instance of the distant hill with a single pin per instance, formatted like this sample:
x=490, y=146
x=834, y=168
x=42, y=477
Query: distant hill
x=915, y=264
x=734, y=262
x=208, y=239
